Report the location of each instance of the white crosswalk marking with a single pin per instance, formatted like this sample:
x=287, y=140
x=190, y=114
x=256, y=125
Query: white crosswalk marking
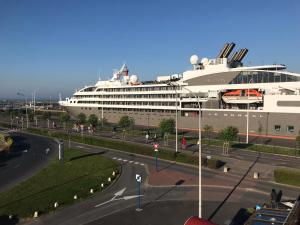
x=125, y=160
x=142, y=164
x=114, y=157
x=130, y=161
x=136, y=163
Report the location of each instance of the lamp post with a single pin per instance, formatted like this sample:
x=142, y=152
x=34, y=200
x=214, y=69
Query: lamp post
x=27, y=125
x=247, y=126
x=176, y=116
x=102, y=109
x=200, y=149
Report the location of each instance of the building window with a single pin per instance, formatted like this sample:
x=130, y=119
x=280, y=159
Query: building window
x=277, y=128
x=290, y=128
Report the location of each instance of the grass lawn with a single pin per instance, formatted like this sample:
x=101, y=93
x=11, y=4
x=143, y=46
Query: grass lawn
x=59, y=182
x=287, y=176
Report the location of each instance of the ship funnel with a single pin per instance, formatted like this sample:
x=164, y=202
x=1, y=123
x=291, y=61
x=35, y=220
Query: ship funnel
x=226, y=50
x=243, y=53
x=229, y=50
x=223, y=50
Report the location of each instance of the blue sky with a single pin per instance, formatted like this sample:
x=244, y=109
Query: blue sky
x=60, y=45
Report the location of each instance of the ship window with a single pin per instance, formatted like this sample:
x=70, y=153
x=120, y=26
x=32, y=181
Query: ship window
x=290, y=128
x=277, y=128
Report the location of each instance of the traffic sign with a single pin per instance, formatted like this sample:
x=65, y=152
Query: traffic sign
x=138, y=178
x=156, y=146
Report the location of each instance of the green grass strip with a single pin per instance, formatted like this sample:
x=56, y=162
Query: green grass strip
x=287, y=176
x=58, y=182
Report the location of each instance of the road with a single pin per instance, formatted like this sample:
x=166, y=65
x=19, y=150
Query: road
x=169, y=196
x=28, y=155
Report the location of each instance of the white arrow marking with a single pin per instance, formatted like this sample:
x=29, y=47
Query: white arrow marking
x=119, y=193
x=131, y=197
x=47, y=150
x=25, y=150
x=117, y=199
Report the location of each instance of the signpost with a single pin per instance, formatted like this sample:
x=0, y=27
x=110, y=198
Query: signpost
x=156, y=155
x=139, y=181
x=61, y=151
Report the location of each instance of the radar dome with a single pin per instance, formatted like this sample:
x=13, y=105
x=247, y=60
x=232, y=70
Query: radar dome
x=194, y=59
x=134, y=79
x=204, y=61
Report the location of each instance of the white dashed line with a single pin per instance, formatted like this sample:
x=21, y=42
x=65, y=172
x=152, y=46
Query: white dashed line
x=129, y=161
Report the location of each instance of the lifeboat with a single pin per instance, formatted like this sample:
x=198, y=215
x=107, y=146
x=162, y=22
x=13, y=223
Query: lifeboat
x=243, y=96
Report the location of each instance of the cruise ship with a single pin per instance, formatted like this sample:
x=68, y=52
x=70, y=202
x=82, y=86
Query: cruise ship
x=259, y=100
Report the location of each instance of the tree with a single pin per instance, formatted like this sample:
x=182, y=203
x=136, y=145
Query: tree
x=227, y=135
x=46, y=115
x=81, y=117
x=103, y=122
x=5, y=142
x=64, y=118
x=30, y=115
x=93, y=120
x=167, y=126
x=208, y=129
x=126, y=122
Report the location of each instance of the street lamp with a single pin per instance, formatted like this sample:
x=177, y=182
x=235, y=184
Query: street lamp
x=247, y=127
x=21, y=94
x=200, y=149
x=176, y=116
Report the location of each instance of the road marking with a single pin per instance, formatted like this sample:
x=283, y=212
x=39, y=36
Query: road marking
x=47, y=151
x=25, y=150
x=117, y=197
x=129, y=161
x=79, y=146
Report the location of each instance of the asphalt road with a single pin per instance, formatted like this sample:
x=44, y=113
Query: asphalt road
x=169, y=205
x=239, y=154
x=28, y=155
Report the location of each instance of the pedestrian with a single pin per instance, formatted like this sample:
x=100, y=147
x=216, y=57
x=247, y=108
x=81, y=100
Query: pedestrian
x=147, y=138
x=155, y=137
x=183, y=143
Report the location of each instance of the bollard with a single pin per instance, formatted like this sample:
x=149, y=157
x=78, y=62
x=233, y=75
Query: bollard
x=36, y=214
x=225, y=169
x=75, y=197
x=255, y=175
x=102, y=185
x=92, y=191
x=109, y=179
x=114, y=173
x=55, y=204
